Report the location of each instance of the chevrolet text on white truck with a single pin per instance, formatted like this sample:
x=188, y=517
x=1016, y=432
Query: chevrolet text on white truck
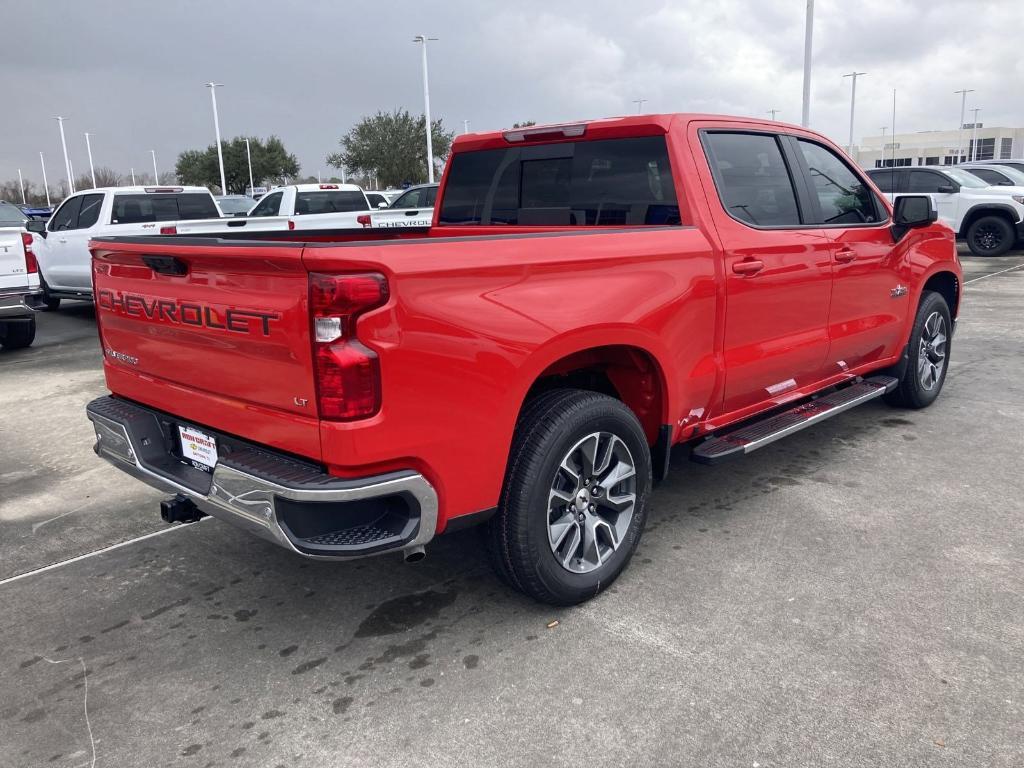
x=19, y=280
x=61, y=244
x=989, y=218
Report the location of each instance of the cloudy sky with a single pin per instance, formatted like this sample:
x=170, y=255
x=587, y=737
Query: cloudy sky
x=131, y=73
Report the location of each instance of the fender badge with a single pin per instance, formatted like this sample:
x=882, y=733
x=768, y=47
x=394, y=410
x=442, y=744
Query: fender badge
x=899, y=290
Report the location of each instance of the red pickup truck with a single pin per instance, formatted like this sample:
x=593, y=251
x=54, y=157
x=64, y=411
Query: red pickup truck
x=588, y=297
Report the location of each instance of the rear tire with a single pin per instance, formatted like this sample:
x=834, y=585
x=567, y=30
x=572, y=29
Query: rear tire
x=927, y=355
x=574, y=501
x=18, y=335
x=990, y=236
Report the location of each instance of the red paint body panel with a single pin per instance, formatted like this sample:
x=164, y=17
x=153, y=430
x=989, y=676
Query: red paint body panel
x=476, y=314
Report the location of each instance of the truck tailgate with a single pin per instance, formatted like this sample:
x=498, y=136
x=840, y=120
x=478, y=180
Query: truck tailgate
x=187, y=327
x=13, y=270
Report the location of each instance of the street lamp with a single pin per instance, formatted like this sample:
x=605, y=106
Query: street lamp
x=92, y=171
x=156, y=176
x=853, y=100
x=216, y=129
x=773, y=113
x=960, y=132
x=21, y=182
x=805, y=119
x=67, y=163
x=639, y=105
x=974, y=137
x=426, y=107
x=465, y=126
x=132, y=171
x=46, y=186
x=248, y=156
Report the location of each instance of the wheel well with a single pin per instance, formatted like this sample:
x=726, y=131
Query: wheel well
x=946, y=285
x=627, y=373
x=976, y=213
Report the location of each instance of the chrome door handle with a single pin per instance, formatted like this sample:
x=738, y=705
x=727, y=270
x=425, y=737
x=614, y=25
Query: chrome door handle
x=747, y=267
x=845, y=255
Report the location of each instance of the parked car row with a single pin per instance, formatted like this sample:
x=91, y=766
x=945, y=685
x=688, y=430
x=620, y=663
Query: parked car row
x=982, y=202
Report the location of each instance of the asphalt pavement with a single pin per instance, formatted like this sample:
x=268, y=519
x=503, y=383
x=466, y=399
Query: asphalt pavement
x=850, y=596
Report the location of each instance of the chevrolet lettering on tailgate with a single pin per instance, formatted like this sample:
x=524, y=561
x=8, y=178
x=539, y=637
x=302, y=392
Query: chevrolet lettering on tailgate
x=186, y=313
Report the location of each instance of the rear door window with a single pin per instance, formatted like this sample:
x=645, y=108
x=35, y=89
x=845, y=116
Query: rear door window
x=269, y=205
x=887, y=180
x=753, y=180
x=843, y=197
x=927, y=181
x=89, y=213
x=608, y=182
x=334, y=201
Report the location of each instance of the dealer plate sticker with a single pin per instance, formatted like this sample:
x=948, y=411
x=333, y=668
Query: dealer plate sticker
x=198, y=447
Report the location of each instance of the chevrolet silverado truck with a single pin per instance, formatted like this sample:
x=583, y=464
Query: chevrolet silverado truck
x=19, y=280
x=587, y=297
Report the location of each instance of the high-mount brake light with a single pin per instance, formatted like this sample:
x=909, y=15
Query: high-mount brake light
x=164, y=189
x=545, y=132
x=168, y=230
x=328, y=186
x=348, y=373
x=31, y=265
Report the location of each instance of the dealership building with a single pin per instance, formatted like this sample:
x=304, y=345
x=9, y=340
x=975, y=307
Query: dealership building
x=940, y=147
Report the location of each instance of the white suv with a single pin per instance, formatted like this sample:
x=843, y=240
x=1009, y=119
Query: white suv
x=990, y=219
x=61, y=244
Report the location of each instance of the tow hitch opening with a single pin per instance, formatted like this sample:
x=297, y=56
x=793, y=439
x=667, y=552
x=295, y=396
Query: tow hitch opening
x=179, y=509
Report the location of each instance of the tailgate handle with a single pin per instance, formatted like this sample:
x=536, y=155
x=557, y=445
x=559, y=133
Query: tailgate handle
x=166, y=265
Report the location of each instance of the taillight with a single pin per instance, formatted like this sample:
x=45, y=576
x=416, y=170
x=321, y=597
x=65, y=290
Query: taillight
x=364, y=219
x=347, y=373
x=31, y=265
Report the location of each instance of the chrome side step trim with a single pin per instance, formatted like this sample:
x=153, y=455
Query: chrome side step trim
x=765, y=432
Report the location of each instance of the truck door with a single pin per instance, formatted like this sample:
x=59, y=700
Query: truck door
x=869, y=291
x=777, y=268
x=55, y=251
x=74, y=244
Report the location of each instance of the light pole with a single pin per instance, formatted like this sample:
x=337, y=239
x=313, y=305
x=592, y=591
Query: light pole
x=21, y=182
x=92, y=171
x=216, y=129
x=960, y=131
x=426, y=107
x=805, y=119
x=67, y=163
x=639, y=105
x=132, y=171
x=156, y=176
x=465, y=126
x=974, y=137
x=853, y=100
x=46, y=186
x=248, y=157
x=773, y=113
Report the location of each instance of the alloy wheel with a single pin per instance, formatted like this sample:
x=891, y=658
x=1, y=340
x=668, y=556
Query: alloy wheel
x=931, y=356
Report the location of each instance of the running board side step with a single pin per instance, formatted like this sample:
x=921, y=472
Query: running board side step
x=761, y=433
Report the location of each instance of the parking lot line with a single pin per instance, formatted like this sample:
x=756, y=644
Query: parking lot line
x=990, y=274
x=94, y=553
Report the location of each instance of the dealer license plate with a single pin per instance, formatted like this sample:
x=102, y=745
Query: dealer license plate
x=198, y=448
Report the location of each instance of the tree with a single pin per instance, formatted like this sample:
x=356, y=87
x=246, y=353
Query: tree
x=270, y=162
x=105, y=177
x=392, y=146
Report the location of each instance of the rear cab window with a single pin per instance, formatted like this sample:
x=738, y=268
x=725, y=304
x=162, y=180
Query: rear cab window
x=146, y=207
x=269, y=205
x=606, y=182
x=333, y=201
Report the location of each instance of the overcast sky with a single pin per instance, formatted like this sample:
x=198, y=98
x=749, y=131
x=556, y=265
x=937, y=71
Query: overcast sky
x=131, y=73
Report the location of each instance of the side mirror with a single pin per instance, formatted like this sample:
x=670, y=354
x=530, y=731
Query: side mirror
x=36, y=225
x=1005, y=183
x=946, y=189
x=382, y=205
x=911, y=212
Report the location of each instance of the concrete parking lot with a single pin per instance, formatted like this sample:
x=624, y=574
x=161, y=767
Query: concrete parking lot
x=851, y=596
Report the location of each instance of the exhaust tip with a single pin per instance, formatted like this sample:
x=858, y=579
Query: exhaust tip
x=414, y=554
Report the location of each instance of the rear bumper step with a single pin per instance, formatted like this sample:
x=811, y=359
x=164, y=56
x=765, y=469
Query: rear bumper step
x=758, y=434
x=290, y=502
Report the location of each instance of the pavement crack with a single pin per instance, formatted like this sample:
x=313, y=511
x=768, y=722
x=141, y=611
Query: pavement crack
x=85, y=702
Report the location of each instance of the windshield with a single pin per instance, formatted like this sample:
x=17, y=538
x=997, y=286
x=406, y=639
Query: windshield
x=965, y=178
x=11, y=216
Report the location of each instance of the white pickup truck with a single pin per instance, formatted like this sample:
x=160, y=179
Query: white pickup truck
x=413, y=208
x=61, y=244
x=990, y=219
x=19, y=280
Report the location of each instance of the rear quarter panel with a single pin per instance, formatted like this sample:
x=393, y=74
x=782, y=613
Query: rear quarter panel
x=473, y=321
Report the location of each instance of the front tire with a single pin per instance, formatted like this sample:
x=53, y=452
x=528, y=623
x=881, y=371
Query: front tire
x=51, y=303
x=574, y=501
x=990, y=236
x=18, y=335
x=927, y=355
